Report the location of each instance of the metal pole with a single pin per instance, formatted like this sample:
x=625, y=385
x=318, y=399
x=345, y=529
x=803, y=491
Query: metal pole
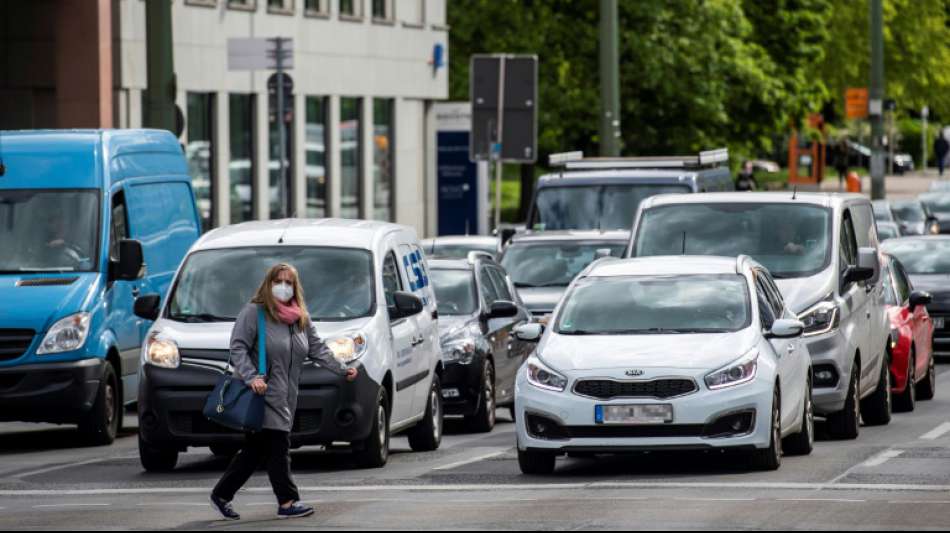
x=160, y=66
x=877, y=100
x=282, y=134
x=924, y=113
x=609, y=79
x=499, y=138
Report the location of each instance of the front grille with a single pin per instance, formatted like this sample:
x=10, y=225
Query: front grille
x=662, y=389
x=14, y=343
x=10, y=381
x=541, y=427
x=45, y=282
x=191, y=423
x=208, y=355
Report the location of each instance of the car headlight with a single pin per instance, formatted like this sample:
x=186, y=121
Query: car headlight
x=66, y=335
x=544, y=378
x=820, y=318
x=737, y=373
x=934, y=228
x=461, y=345
x=162, y=352
x=348, y=347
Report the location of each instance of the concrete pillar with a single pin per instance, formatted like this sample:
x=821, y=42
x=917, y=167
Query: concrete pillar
x=333, y=157
x=367, y=207
x=299, y=157
x=84, y=63
x=222, y=156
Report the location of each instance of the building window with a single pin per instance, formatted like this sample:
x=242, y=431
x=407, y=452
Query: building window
x=351, y=8
x=316, y=152
x=383, y=164
x=204, y=3
x=249, y=5
x=199, y=153
x=241, y=165
x=316, y=7
x=351, y=150
x=284, y=7
x=413, y=12
x=281, y=193
x=382, y=10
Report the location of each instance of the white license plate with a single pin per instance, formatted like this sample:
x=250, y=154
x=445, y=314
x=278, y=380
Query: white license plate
x=633, y=414
x=939, y=323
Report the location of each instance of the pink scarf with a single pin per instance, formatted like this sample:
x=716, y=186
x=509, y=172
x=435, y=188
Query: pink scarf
x=288, y=313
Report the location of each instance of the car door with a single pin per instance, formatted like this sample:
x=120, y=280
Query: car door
x=771, y=310
x=426, y=346
x=494, y=328
x=507, y=368
x=855, y=318
x=918, y=319
x=403, y=331
x=878, y=324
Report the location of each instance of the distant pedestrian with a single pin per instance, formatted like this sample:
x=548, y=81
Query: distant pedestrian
x=841, y=161
x=941, y=149
x=290, y=337
x=746, y=180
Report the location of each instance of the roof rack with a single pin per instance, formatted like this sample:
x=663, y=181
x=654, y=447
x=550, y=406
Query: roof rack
x=577, y=161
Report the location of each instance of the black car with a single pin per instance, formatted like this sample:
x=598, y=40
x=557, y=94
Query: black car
x=478, y=311
x=927, y=262
x=938, y=203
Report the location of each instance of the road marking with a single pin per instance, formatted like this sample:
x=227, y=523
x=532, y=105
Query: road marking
x=835, y=500
x=171, y=504
x=451, y=466
x=938, y=432
x=882, y=458
x=54, y=505
x=919, y=502
x=715, y=499
x=70, y=465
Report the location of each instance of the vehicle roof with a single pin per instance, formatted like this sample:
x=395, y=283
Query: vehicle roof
x=666, y=265
x=571, y=236
x=437, y=263
x=462, y=239
x=581, y=177
x=787, y=197
x=335, y=232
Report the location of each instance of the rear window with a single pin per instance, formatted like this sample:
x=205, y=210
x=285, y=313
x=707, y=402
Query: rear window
x=594, y=207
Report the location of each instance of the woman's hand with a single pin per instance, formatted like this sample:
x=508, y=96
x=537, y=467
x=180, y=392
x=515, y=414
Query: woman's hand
x=351, y=374
x=259, y=386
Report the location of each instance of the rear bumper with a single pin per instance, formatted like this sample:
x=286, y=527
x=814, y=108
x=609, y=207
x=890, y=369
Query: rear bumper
x=329, y=409
x=58, y=393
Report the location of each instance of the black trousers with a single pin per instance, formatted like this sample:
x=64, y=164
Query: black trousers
x=267, y=447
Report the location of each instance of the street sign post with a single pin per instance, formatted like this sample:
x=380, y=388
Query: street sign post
x=856, y=103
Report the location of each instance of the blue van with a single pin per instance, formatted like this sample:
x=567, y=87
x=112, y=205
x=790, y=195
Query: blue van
x=89, y=220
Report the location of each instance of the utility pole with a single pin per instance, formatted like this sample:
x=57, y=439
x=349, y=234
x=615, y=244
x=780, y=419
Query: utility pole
x=924, y=115
x=279, y=58
x=876, y=103
x=609, y=79
x=160, y=111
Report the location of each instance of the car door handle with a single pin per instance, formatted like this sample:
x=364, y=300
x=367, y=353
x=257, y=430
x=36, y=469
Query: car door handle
x=417, y=341
x=791, y=348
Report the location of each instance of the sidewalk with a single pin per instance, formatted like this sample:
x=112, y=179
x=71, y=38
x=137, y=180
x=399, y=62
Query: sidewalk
x=907, y=186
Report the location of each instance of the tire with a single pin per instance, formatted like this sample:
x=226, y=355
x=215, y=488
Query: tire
x=483, y=421
x=224, y=450
x=536, y=463
x=101, y=424
x=427, y=435
x=770, y=458
x=511, y=412
x=374, y=451
x=156, y=460
x=846, y=424
x=927, y=388
x=876, y=408
x=906, y=401
x=803, y=442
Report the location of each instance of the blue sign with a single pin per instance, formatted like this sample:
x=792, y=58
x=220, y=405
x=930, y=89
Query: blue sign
x=458, y=185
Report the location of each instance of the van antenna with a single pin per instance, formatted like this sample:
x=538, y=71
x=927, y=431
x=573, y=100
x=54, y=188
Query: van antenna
x=795, y=193
x=684, y=243
x=287, y=227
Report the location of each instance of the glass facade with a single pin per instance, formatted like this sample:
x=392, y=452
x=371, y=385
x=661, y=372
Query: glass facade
x=316, y=152
x=200, y=153
x=350, y=7
x=383, y=161
x=241, y=165
x=281, y=197
x=351, y=150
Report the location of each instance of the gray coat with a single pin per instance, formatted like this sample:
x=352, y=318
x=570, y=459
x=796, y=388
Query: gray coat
x=287, y=348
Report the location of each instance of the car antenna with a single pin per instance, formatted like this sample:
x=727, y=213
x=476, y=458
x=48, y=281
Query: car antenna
x=795, y=193
x=287, y=227
x=3, y=168
x=684, y=243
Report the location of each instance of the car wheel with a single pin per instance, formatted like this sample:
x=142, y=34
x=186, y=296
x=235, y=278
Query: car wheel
x=536, y=463
x=928, y=386
x=484, y=419
x=876, y=408
x=771, y=458
x=101, y=424
x=374, y=451
x=906, y=401
x=156, y=459
x=846, y=424
x=427, y=435
x=803, y=442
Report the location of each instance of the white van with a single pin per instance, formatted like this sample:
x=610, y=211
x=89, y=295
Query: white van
x=368, y=290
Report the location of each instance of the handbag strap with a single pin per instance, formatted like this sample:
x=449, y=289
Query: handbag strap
x=261, y=343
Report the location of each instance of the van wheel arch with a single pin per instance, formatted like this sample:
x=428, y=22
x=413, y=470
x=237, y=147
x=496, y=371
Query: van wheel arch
x=388, y=385
x=113, y=358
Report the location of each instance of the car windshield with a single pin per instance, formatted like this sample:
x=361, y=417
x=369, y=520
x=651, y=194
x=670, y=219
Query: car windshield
x=790, y=240
x=882, y=211
x=454, y=291
x=604, y=207
x=909, y=212
x=552, y=264
x=888, y=231
x=49, y=230
x=937, y=203
x=639, y=305
x=921, y=256
x=459, y=251
x=214, y=285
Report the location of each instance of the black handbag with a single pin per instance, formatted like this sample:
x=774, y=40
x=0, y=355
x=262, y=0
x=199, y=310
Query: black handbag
x=233, y=404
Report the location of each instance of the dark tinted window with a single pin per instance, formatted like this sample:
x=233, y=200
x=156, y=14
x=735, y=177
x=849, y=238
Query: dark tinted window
x=921, y=256
x=501, y=284
x=454, y=291
x=392, y=282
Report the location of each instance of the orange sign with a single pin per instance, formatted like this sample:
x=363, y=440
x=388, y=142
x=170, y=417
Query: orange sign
x=856, y=102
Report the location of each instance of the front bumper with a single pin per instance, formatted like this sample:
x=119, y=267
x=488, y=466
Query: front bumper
x=693, y=415
x=329, y=409
x=462, y=387
x=829, y=352
x=59, y=393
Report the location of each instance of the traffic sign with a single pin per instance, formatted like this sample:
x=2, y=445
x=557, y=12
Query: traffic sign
x=518, y=134
x=856, y=102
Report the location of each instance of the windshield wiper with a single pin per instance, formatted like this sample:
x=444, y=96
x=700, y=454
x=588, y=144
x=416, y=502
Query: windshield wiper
x=672, y=331
x=201, y=318
x=584, y=332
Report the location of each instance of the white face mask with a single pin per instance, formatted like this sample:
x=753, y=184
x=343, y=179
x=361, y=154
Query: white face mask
x=283, y=292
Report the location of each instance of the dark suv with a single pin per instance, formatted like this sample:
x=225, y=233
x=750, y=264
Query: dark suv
x=478, y=311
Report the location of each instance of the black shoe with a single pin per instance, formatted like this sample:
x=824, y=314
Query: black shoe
x=296, y=510
x=224, y=508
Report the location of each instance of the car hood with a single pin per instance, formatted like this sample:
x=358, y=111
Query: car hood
x=541, y=299
x=570, y=353
x=449, y=324
x=938, y=285
x=217, y=335
x=802, y=293
x=32, y=301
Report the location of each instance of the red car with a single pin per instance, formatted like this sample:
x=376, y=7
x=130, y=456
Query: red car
x=912, y=362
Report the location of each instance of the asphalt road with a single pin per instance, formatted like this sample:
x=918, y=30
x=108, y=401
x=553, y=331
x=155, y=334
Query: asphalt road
x=893, y=477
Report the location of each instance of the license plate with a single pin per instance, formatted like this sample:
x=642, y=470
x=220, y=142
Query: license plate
x=939, y=323
x=633, y=414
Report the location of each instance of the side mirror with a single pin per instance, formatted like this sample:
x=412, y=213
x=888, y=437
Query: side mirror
x=786, y=328
x=406, y=305
x=131, y=263
x=529, y=332
x=868, y=260
x=920, y=298
x=601, y=253
x=147, y=306
x=503, y=309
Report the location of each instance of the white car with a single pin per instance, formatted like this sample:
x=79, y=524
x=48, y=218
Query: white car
x=666, y=353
